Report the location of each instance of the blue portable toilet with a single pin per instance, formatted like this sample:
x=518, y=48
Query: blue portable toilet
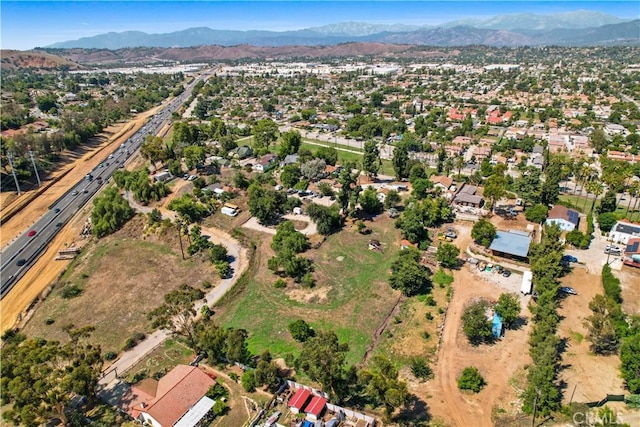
x=496, y=326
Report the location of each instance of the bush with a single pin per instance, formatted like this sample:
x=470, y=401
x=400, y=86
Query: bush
x=70, y=291
x=134, y=340
x=428, y=315
x=300, y=330
x=233, y=376
x=442, y=278
x=280, y=283
x=471, y=380
x=206, y=284
x=475, y=324
x=578, y=239
x=110, y=355
x=248, y=381
x=611, y=284
x=49, y=321
x=429, y=301
x=420, y=368
x=536, y=213
x=606, y=221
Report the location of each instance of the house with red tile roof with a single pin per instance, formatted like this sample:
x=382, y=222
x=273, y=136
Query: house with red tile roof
x=163, y=403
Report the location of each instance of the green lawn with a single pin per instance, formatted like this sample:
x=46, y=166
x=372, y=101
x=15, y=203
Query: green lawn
x=346, y=156
x=578, y=203
x=352, y=296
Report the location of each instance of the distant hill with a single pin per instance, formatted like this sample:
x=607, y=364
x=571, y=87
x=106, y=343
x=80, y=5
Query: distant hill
x=13, y=59
x=522, y=30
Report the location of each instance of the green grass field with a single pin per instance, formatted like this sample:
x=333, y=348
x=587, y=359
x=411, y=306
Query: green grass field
x=351, y=297
x=578, y=203
x=346, y=156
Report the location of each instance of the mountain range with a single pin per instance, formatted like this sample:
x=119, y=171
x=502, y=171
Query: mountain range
x=579, y=28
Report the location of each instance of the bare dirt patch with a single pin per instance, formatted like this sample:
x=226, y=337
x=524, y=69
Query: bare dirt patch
x=316, y=295
x=498, y=362
x=629, y=279
x=123, y=278
x=591, y=376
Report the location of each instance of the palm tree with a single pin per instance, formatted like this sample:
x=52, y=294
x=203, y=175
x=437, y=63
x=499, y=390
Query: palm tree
x=594, y=187
x=634, y=191
x=459, y=164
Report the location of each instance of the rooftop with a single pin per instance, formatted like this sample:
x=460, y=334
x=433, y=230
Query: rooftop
x=627, y=228
x=562, y=212
x=511, y=243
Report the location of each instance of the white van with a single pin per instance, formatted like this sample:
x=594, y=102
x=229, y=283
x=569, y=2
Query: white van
x=229, y=211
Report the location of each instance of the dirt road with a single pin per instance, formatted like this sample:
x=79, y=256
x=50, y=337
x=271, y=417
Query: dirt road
x=497, y=363
x=46, y=269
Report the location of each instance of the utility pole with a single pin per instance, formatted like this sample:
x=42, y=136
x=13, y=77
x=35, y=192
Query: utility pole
x=535, y=408
x=179, y=227
x=35, y=168
x=13, y=171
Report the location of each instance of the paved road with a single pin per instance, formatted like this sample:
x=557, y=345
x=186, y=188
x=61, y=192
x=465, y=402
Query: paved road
x=22, y=253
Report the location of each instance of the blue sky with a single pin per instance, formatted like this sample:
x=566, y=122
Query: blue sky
x=27, y=24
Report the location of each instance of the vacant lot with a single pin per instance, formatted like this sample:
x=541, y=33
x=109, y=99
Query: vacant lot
x=351, y=297
x=123, y=277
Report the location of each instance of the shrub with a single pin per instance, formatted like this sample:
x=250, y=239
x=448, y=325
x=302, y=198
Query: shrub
x=70, y=291
x=110, y=355
x=420, y=368
x=49, y=321
x=428, y=315
x=206, y=284
x=139, y=376
x=300, y=330
x=233, y=376
x=442, y=278
x=471, y=380
x=426, y=335
x=475, y=324
x=280, y=283
x=611, y=284
x=429, y=301
x=248, y=381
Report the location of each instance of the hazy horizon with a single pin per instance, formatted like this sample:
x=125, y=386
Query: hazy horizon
x=30, y=24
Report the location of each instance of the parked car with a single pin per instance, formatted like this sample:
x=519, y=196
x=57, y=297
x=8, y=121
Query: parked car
x=568, y=290
x=569, y=258
x=506, y=273
x=445, y=238
x=451, y=235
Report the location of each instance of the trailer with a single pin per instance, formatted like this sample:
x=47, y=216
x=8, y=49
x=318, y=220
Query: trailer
x=527, y=283
x=229, y=211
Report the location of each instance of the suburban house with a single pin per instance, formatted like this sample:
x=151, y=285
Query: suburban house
x=567, y=219
x=265, y=162
x=511, y=244
x=632, y=252
x=299, y=400
x=443, y=182
x=241, y=152
x=215, y=188
x=467, y=197
x=177, y=399
x=623, y=231
x=290, y=159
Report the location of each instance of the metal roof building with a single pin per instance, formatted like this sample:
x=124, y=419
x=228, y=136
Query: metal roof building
x=511, y=244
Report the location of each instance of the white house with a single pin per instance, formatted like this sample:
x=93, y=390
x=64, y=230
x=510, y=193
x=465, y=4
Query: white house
x=623, y=231
x=567, y=219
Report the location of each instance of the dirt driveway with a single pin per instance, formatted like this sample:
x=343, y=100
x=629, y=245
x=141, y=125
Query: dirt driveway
x=309, y=230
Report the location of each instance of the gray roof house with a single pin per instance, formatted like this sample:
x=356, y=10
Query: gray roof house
x=624, y=230
x=467, y=197
x=511, y=244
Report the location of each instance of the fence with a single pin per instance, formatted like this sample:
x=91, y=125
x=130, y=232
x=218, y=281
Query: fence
x=607, y=398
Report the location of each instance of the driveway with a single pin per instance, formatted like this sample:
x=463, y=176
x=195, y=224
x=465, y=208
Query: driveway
x=310, y=229
x=594, y=258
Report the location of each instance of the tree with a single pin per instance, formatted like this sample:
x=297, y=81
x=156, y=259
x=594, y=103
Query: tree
x=630, y=360
x=369, y=201
x=323, y=360
x=237, y=350
x=313, y=169
x=447, y=255
x=188, y=208
x=349, y=189
x=508, y=307
x=40, y=378
x=475, y=324
x=392, y=199
x=609, y=202
x=300, y=330
x=601, y=326
x=264, y=133
x=290, y=176
x=194, y=155
x=266, y=204
x=383, y=386
x=420, y=368
x=420, y=188
x=483, y=232
x=287, y=237
x=327, y=218
x=267, y=373
x=290, y=142
x=110, y=212
x=153, y=149
x=471, y=379
x=177, y=313
x=400, y=161
x=248, y=381
x=537, y=213
x=494, y=188
x=550, y=187
x=598, y=140
x=408, y=275
x=328, y=154
x=606, y=221
x=371, y=159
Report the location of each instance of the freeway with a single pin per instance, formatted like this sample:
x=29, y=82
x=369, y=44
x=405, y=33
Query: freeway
x=19, y=256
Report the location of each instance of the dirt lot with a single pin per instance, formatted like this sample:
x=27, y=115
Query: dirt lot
x=591, y=376
x=147, y=269
x=498, y=363
x=46, y=270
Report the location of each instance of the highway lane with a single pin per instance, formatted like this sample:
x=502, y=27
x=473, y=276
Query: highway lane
x=19, y=256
